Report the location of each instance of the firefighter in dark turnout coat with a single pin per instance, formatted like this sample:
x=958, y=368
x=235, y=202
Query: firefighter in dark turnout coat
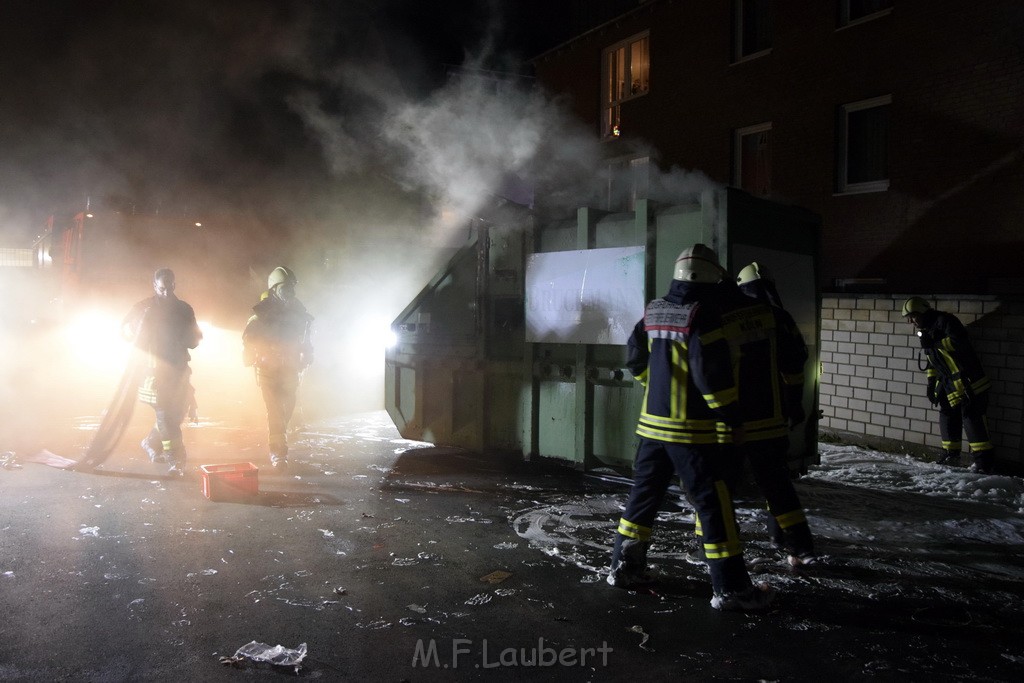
x=772, y=358
x=164, y=327
x=957, y=383
x=276, y=340
x=680, y=353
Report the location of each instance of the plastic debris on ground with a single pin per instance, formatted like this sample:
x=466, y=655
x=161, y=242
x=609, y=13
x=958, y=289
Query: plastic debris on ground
x=496, y=576
x=45, y=457
x=646, y=636
x=278, y=655
x=8, y=461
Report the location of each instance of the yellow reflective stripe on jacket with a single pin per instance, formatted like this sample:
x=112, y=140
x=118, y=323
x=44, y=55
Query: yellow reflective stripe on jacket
x=147, y=393
x=662, y=428
x=981, y=385
x=680, y=365
x=711, y=337
x=722, y=398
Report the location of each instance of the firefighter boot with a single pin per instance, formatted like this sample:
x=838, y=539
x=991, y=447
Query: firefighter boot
x=278, y=451
x=176, y=457
x=153, y=448
x=629, y=563
x=949, y=458
x=983, y=461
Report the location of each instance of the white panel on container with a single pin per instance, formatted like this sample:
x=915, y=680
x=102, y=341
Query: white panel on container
x=593, y=296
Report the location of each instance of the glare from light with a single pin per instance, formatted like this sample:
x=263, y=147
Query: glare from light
x=390, y=338
x=94, y=338
x=363, y=352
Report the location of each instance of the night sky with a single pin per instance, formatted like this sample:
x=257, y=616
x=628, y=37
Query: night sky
x=213, y=105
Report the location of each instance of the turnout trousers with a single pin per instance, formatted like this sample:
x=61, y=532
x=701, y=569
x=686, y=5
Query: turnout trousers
x=955, y=420
x=703, y=470
x=280, y=389
x=787, y=523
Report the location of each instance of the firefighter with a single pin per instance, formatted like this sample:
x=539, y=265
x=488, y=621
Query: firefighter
x=164, y=328
x=771, y=365
x=690, y=413
x=957, y=384
x=276, y=341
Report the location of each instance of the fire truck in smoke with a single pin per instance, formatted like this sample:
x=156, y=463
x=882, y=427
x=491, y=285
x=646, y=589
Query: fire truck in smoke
x=92, y=265
x=107, y=258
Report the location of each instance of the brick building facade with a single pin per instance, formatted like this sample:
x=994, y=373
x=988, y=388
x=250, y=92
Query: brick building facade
x=900, y=122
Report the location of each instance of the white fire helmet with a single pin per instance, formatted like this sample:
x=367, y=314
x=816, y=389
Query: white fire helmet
x=280, y=276
x=754, y=271
x=699, y=263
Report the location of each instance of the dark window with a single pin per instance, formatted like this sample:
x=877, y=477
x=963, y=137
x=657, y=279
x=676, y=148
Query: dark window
x=852, y=11
x=864, y=146
x=753, y=27
x=752, y=162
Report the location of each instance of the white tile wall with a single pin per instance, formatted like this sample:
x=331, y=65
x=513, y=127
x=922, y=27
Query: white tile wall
x=871, y=384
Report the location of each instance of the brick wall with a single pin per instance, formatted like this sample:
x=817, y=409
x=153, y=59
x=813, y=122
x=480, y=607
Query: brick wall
x=955, y=71
x=873, y=391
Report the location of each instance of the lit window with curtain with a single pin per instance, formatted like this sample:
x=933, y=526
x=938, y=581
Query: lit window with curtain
x=627, y=68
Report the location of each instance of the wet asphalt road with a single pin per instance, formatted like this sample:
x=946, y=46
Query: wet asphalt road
x=394, y=561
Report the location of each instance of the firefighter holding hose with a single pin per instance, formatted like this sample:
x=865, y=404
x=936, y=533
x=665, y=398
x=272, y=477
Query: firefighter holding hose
x=164, y=328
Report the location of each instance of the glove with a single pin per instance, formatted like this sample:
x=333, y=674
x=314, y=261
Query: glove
x=932, y=398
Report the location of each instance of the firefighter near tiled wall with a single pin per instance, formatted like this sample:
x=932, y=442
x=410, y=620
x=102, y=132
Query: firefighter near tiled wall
x=873, y=381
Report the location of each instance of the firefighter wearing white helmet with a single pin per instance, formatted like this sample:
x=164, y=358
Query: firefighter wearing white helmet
x=277, y=342
x=772, y=355
x=279, y=276
x=956, y=383
x=756, y=280
x=679, y=352
x=698, y=263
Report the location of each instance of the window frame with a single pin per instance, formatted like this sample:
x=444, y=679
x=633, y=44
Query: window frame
x=633, y=174
x=843, y=20
x=609, y=104
x=738, y=33
x=737, y=156
x=843, y=185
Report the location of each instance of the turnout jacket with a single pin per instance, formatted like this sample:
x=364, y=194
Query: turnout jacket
x=679, y=352
x=953, y=370
x=769, y=354
x=165, y=328
x=277, y=336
